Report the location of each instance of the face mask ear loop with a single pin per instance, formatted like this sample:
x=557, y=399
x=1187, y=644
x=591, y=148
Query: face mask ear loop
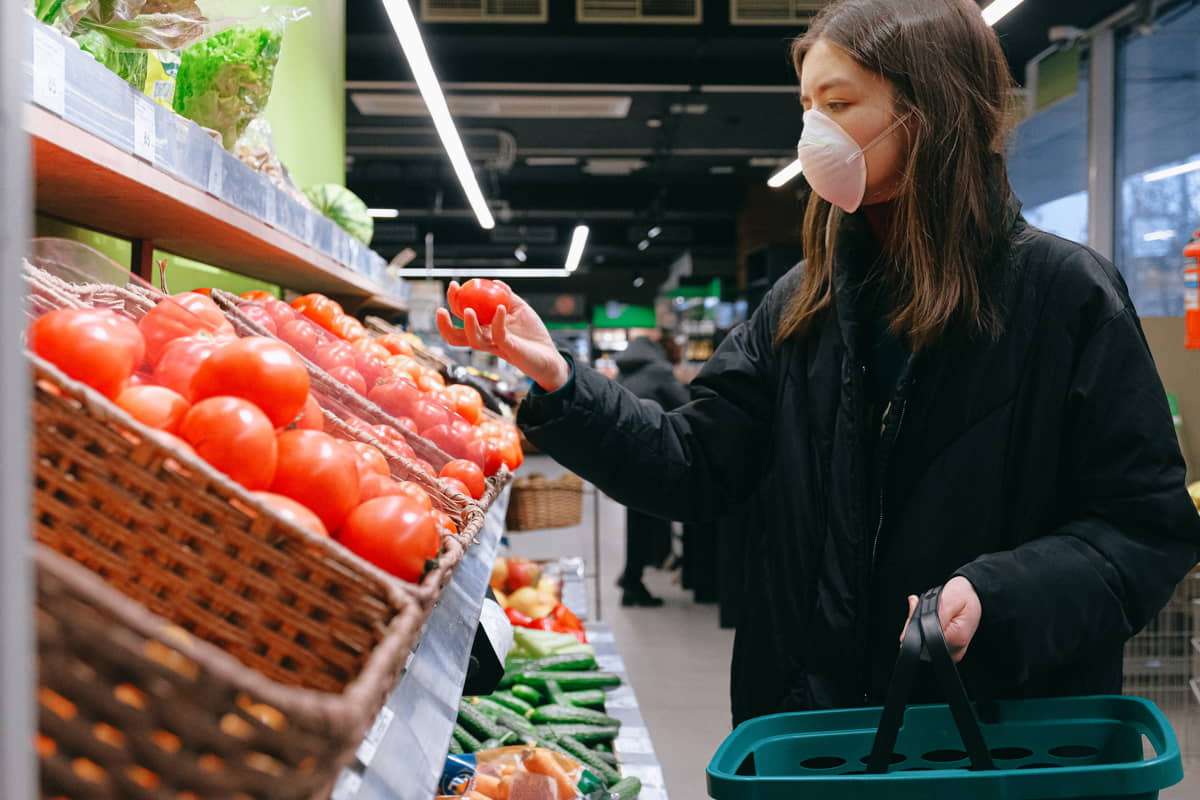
x=888, y=132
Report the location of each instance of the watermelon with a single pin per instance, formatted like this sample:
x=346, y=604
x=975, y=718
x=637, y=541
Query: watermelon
x=343, y=207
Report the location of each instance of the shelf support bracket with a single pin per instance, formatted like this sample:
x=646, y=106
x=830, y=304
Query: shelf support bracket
x=142, y=259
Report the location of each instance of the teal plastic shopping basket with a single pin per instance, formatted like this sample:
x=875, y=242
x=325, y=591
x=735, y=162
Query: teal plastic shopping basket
x=1082, y=748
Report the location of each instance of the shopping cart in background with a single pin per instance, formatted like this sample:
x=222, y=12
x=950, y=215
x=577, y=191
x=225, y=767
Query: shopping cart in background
x=1083, y=748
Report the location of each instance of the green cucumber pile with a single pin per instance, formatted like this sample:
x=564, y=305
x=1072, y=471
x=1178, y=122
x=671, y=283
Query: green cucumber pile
x=555, y=702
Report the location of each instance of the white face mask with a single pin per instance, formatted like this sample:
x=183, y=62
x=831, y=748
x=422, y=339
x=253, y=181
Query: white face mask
x=833, y=162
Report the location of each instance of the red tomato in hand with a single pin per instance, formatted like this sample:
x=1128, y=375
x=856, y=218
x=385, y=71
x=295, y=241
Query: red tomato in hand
x=484, y=296
x=487, y=454
x=374, y=485
x=455, y=486
x=95, y=346
x=468, y=473
x=261, y=370
x=180, y=360
x=429, y=414
x=351, y=377
x=319, y=471
x=397, y=396
x=259, y=315
x=234, y=436
x=295, y=513
x=333, y=354
x=394, y=533
x=467, y=401
x=313, y=418
x=155, y=406
x=395, y=344
x=301, y=335
x=370, y=459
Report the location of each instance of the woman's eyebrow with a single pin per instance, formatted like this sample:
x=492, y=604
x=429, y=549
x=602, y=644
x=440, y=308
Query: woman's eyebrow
x=826, y=85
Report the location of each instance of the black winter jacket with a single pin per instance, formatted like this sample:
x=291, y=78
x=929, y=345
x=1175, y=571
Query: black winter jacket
x=645, y=371
x=1043, y=466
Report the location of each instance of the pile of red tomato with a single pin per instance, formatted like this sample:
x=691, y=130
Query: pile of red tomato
x=384, y=370
x=244, y=406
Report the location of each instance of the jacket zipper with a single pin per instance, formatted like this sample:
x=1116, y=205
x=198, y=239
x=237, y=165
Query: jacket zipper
x=885, y=458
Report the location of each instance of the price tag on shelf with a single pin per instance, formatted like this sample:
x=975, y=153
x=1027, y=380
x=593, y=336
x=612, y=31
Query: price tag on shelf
x=310, y=227
x=144, y=134
x=216, y=173
x=611, y=663
x=370, y=742
x=633, y=740
x=49, y=72
x=270, y=213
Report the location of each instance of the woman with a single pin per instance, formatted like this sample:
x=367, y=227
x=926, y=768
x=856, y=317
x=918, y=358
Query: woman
x=939, y=394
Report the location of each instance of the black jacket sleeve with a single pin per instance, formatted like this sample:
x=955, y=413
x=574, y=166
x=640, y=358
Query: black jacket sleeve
x=685, y=464
x=1132, y=534
x=670, y=393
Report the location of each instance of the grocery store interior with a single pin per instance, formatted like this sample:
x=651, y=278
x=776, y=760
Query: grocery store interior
x=313, y=462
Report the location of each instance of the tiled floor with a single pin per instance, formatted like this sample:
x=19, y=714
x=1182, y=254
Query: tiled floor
x=678, y=658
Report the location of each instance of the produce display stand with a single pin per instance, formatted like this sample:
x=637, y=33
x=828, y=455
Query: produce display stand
x=110, y=159
x=401, y=757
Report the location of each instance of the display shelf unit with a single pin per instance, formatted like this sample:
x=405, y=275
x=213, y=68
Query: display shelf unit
x=402, y=756
x=109, y=159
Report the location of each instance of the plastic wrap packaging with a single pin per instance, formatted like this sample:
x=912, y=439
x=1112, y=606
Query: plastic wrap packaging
x=256, y=149
x=345, y=208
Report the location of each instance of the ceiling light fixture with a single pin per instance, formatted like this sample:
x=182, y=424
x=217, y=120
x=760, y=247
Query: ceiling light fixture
x=1172, y=172
x=520, y=254
x=654, y=122
x=654, y=232
x=1159, y=236
x=998, y=10
x=639, y=282
x=401, y=15
x=383, y=213
x=466, y=272
x=721, y=169
x=643, y=245
x=785, y=175
x=578, y=242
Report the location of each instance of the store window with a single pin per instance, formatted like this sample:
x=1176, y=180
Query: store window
x=1158, y=157
x=1048, y=158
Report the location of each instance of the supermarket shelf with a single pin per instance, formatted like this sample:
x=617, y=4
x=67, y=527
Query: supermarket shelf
x=403, y=755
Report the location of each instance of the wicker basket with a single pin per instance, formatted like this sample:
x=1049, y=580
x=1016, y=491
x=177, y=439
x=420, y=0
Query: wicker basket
x=538, y=502
x=131, y=705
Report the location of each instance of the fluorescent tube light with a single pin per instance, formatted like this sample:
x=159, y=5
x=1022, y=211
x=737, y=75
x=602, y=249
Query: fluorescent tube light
x=998, y=10
x=578, y=242
x=1159, y=236
x=417, y=273
x=654, y=232
x=1172, y=172
x=384, y=213
x=785, y=175
x=409, y=34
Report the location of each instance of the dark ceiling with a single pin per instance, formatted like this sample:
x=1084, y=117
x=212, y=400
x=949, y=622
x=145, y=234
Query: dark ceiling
x=648, y=125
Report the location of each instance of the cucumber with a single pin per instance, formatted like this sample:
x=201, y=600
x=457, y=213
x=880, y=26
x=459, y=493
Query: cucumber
x=603, y=747
x=625, y=789
x=590, y=760
x=507, y=718
x=508, y=738
x=512, y=702
x=572, y=715
x=587, y=698
x=465, y=740
x=572, y=662
x=604, y=755
x=570, y=681
x=531, y=695
x=588, y=734
x=557, y=695
x=455, y=748
x=477, y=723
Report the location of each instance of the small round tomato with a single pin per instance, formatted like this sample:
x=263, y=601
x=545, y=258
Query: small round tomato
x=370, y=459
x=510, y=451
x=95, y=346
x=387, y=434
x=351, y=377
x=445, y=523
x=446, y=441
x=374, y=485
x=406, y=365
x=302, y=335
x=487, y=454
x=234, y=436
x=407, y=424
x=348, y=328
x=313, y=418
x=333, y=354
x=468, y=473
x=484, y=297
x=394, y=533
x=371, y=347
x=429, y=384
x=455, y=486
x=280, y=311
x=265, y=372
x=173, y=442
x=319, y=471
x=155, y=406
x=429, y=414
x=467, y=401
x=395, y=344
x=397, y=396
x=425, y=468
x=184, y=314
x=289, y=510
x=319, y=308
x=180, y=360
x=259, y=315
x=257, y=295
x=371, y=368
x=418, y=493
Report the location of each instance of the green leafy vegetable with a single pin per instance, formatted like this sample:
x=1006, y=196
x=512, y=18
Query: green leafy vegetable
x=224, y=82
x=130, y=65
x=343, y=207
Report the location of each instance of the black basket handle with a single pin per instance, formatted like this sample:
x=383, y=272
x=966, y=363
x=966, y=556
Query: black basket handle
x=924, y=641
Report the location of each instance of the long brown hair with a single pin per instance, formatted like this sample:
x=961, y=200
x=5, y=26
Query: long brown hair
x=949, y=217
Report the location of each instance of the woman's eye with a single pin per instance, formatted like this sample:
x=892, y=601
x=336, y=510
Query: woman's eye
x=836, y=105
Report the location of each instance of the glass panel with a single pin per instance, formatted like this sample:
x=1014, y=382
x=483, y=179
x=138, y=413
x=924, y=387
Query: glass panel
x=1158, y=158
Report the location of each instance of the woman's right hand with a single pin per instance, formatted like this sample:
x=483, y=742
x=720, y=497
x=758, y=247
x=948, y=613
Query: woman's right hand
x=516, y=335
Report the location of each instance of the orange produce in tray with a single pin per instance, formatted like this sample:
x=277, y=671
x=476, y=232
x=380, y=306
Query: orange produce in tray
x=180, y=360
x=179, y=316
x=395, y=344
x=154, y=406
x=395, y=533
x=236, y=437
x=318, y=471
x=95, y=346
x=265, y=372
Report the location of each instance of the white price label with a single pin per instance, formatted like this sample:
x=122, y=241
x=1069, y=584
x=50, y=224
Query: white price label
x=370, y=742
x=144, y=135
x=216, y=173
x=49, y=72
x=270, y=212
x=310, y=227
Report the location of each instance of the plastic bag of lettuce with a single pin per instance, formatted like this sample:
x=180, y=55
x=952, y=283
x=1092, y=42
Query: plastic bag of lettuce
x=225, y=81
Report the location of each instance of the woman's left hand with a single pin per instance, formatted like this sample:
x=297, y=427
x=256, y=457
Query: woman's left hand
x=959, y=611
